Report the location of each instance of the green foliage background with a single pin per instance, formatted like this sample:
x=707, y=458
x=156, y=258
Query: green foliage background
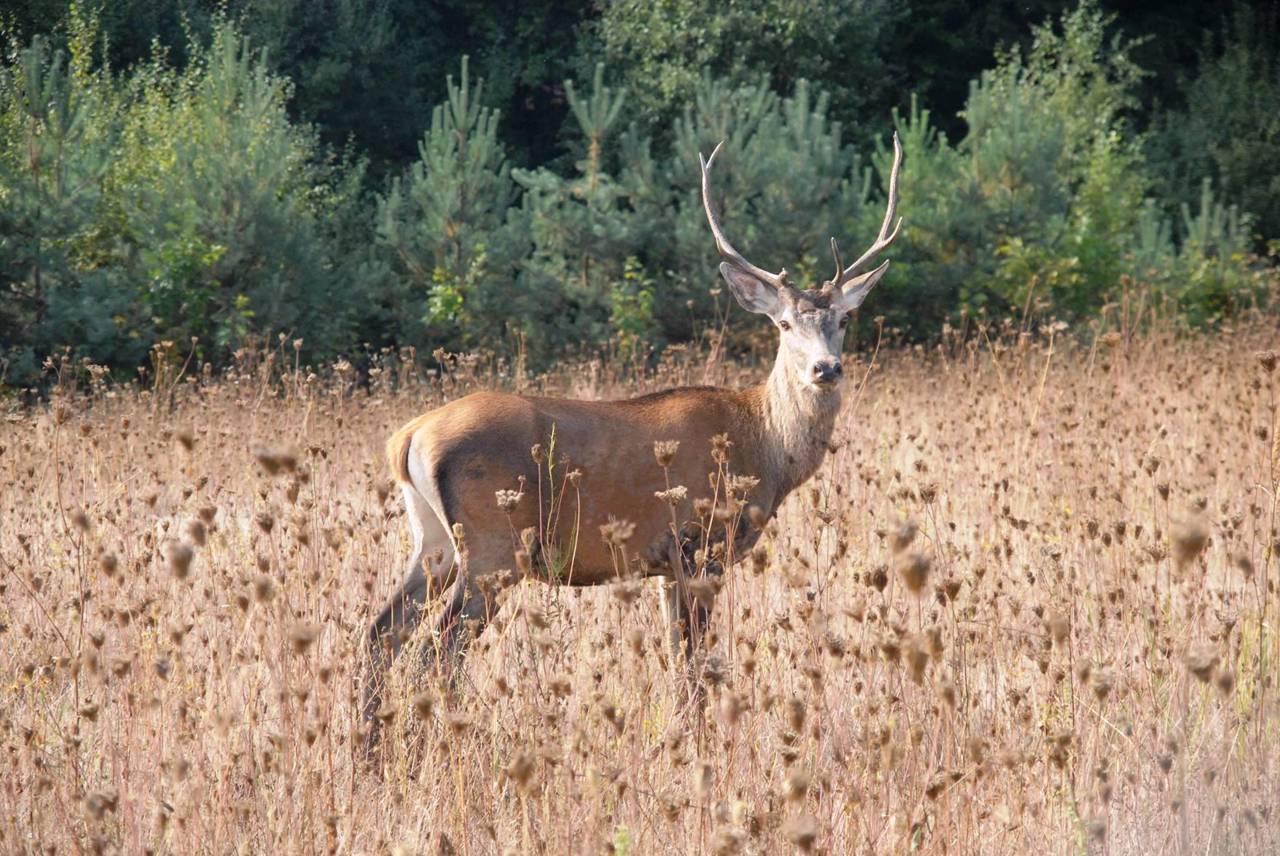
x=375, y=173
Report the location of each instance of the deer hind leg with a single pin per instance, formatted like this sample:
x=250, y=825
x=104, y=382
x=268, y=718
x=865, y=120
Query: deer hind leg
x=475, y=600
x=431, y=566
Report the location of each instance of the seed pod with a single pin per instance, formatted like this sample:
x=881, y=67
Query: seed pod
x=802, y=831
x=1189, y=538
x=196, y=532
x=1059, y=627
x=423, y=704
x=902, y=536
x=795, y=714
x=914, y=570
x=179, y=556
x=796, y=785
x=1201, y=660
x=520, y=770
x=264, y=588
x=301, y=636
x=665, y=452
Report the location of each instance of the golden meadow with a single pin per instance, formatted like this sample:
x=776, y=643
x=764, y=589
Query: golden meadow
x=1027, y=605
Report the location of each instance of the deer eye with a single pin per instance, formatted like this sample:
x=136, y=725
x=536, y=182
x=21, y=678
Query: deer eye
x=785, y=325
x=844, y=321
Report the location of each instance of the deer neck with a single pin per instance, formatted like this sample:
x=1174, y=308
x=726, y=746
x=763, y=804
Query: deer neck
x=797, y=425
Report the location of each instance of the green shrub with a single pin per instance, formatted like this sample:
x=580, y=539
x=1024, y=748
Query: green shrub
x=444, y=230
x=1060, y=172
x=226, y=205
x=178, y=202
x=56, y=129
x=166, y=205
x=584, y=227
x=785, y=182
x=1228, y=131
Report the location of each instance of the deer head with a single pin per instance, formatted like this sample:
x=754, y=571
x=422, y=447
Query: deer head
x=811, y=321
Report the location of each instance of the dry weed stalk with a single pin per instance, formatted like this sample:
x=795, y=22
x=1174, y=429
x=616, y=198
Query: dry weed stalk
x=1070, y=644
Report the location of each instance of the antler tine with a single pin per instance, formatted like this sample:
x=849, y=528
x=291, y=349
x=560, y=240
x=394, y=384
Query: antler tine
x=835, y=252
x=726, y=250
x=885, y=238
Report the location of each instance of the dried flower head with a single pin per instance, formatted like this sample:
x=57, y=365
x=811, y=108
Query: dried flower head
x=520, y=770
x=665, y=452
x=902, y=536
x=264, y=588
x=508, y=500
x=802, y=831
x=179, y=556
x=423, y=705
x=673, y=496
x=796, y=785
x=914, y=570
x=302, y=635
x=616, y=533
x=1189, y=538
x=1202, y=659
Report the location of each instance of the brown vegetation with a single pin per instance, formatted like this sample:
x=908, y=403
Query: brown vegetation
x=1027, y=605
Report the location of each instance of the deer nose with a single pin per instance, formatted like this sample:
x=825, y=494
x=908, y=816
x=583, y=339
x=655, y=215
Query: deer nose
x=827, y=371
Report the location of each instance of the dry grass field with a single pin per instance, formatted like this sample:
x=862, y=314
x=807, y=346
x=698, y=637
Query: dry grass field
x=1086, y=665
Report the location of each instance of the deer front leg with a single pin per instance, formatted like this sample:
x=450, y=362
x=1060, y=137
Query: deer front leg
x=687, y=617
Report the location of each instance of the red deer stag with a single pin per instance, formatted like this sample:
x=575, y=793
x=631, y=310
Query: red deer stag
x=453, y=461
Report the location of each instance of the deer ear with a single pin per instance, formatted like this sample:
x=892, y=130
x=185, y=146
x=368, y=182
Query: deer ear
x=752, y=294
x=856, y=290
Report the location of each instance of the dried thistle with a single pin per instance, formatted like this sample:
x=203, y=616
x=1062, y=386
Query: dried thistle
x=902, y=536
x=1189, y=538
x=508, y=500
x=520, y=769
x=914, y=570
x=1225, y=681
x=264, y=588
x=423, y=705
x=196, y=532
x=796, y=785
x=1102, y=683
x=802, y=831
x=673, y=496
x=1059, y=627
x=1201, y=660
x=665, y=452
x=301, y=636
x=795, y=714
x=616, y=533
x=179, y=556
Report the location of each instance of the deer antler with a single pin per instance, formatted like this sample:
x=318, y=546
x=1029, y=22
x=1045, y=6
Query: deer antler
x=727, y=252
x=885, y=238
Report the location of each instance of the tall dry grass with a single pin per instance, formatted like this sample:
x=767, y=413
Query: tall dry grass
x=1028, y=605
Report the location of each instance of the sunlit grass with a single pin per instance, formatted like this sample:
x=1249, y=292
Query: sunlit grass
x=1027, y=605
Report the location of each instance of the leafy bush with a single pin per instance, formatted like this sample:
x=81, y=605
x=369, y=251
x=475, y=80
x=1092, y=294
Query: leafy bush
x=785, y=182
x=224, y=204
x=171, y=203
x=55, y=148
x=1047, y=199
x=584, y=228
x=1229, y=129
x=1061, y=173
x=444, y=225
x=663, y=51
x=168, y=205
